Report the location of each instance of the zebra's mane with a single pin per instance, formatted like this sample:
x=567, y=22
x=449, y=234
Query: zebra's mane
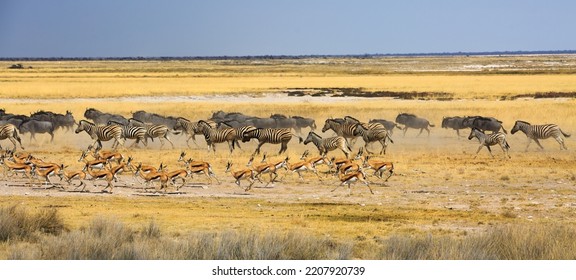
x=184, y=119
x=338, y=121
x=87, y=122
x=351, y=118
x=524, y=122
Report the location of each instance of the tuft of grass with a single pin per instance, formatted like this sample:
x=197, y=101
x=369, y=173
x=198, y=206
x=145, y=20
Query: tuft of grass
x=16, y=223
x=519, y=242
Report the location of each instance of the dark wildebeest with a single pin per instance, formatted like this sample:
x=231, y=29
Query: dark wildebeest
x=389, y=125
x=35, y=126
x=412, y=121
x=302, y=122
x=154, y=118
x=100, y=118
x=261, y=122
x=283, y=121
x=455, y=123
x=66, y=121
x=484, y=123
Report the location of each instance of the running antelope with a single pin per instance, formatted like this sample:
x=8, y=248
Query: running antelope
x=76, y=174
x=271, y=169
x=23, y=168
x=45, y=173
x=153, y=176
x=379, y=167
x=242, y=174
x=317, y=160
x=92, y=164
x=353, y=177
x=103, y=174
x=201, y=167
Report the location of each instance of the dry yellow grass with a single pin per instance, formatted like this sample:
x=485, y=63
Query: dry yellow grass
x=440, y=188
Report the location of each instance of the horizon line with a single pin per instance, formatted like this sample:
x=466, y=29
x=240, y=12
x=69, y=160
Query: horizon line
x=367, y=55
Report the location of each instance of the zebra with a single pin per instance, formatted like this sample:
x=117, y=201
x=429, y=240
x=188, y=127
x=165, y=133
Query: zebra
x=9, y=131
x=132, y=132
x=237, y=131
x=328, y=144
x=342, y=128
x=102, y=133
x=215, y=135
x=159, y=131
x=490, y=140
x=374, y=132
x=270, y=135
x=190, y=128
x=544, y=131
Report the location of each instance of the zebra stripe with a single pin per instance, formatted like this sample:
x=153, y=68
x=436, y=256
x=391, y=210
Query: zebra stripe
x=270, y=135
x=9, y=131
x=325, y=145
x=102, y=133
x=132, y=132
x=544, y=131
x=342, y=128
x=488, y=140
x=374, y=132
x=190, y=128
x=159, y=131
x=216, y=135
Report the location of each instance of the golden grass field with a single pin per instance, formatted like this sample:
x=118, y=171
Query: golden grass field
x=440, y=187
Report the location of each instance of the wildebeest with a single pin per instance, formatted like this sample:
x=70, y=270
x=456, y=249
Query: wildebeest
x=412, y=121
x=101, y=118
x=283, y=121
x=154, y=118
x=302, y=122
x=455, y=123
x=484, y=123
x=35, y=126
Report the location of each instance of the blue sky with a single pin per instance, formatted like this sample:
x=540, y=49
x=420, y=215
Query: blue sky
x=117, y=28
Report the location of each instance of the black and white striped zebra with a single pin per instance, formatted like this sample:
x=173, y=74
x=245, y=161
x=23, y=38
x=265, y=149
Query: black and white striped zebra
x=102, y=133
x=488, y=140
x=190, y=128
x=374, y=132
x=132, y=132
x=326, y=145
x=159, y=131
x=544, y=131
x=270, y=135
x=216, y=135
x=342, y=128
x=238, y=131
x=9, y=131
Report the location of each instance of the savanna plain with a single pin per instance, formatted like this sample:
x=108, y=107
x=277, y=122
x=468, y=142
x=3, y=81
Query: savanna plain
x=444, y=201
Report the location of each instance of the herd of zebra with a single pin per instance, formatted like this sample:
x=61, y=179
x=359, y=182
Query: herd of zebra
x=234, y=128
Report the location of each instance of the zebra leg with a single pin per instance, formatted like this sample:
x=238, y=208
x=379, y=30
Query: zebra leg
x=539, y=145
x=529, y=141
x=166, y=137
x=283, y=147
x=490, y=151
x=384, y=146
x=561, y=142
x=366, y=148
x=477, y=151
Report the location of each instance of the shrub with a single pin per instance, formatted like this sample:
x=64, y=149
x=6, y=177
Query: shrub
x=18, y=224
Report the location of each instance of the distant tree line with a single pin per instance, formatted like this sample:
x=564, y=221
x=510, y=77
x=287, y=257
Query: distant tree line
x=166, y=58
